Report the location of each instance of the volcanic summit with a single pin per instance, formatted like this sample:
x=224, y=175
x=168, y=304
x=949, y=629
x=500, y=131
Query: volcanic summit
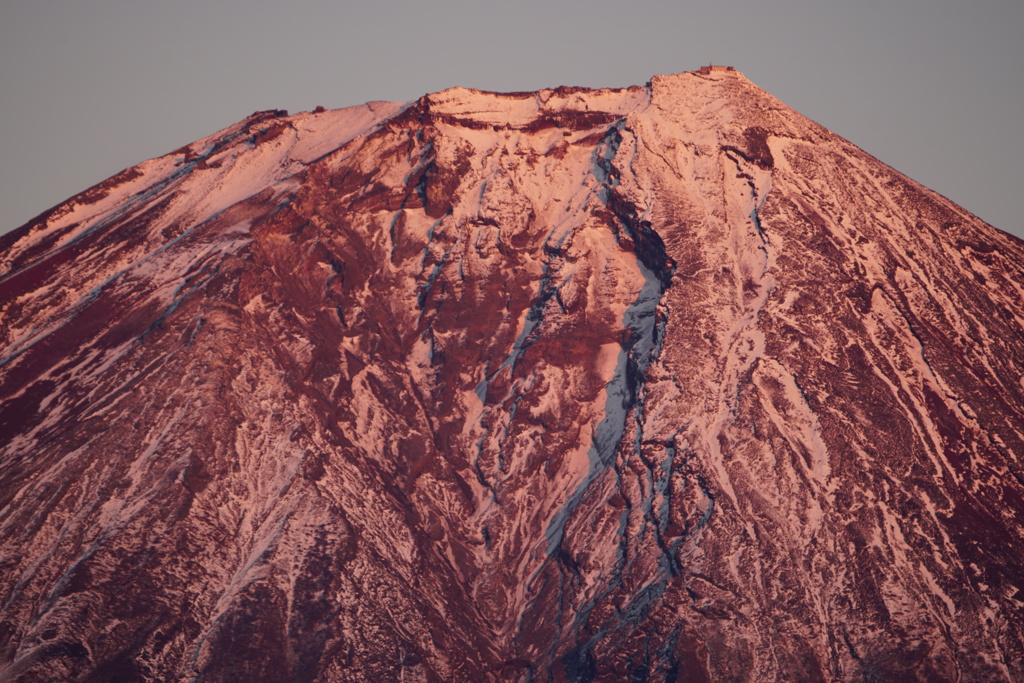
x=648, y=384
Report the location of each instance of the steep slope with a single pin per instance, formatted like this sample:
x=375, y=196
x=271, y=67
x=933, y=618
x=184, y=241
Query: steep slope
x=643, y=384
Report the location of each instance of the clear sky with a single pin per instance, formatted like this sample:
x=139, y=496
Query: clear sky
x=934, y=88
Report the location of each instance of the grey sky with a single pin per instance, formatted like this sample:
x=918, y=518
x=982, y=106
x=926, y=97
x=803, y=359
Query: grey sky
x=931, y=87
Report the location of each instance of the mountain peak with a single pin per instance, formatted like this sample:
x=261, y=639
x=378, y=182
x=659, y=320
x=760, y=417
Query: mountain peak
x=662, y=382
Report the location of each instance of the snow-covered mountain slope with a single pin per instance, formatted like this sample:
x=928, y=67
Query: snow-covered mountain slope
x=660, y=383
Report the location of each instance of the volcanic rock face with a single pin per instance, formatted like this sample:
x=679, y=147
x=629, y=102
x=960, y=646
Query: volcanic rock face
x=647, y=384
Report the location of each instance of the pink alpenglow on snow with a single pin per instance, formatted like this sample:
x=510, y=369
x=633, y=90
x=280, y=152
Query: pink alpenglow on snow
x=657, y=383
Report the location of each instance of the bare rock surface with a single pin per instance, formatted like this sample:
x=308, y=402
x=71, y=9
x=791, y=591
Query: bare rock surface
x=657, y=383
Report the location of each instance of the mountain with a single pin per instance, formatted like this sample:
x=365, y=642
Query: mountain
x=656, y=383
